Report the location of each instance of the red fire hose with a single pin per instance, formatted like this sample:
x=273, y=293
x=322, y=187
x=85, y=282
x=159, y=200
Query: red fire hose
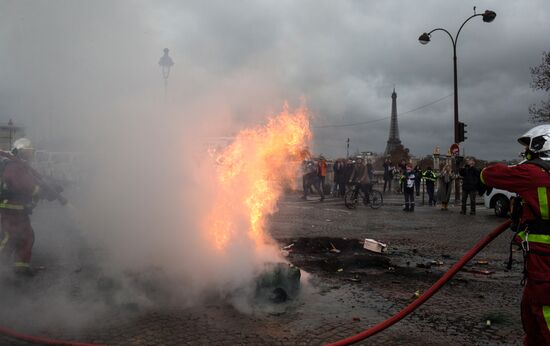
x=430, y=292
x=39, y=340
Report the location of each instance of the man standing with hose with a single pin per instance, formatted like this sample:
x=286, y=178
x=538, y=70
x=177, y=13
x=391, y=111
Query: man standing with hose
x=531, y=217
x=20, y=190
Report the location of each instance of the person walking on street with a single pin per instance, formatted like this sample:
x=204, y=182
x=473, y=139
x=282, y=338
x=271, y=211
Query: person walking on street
x=309, y=178
x=402, y=170
x=337, y=170
x=531, y=220
x=321, y=174
x=408, y=180
x=417, y=179
x=346, y=175
x=388, y=174
x=445, y=186
x=370, y=170
x=429, y=179
x=470, y=179
x=342, y=179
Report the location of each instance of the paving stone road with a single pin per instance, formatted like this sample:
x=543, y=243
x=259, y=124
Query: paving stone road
x=333, y=304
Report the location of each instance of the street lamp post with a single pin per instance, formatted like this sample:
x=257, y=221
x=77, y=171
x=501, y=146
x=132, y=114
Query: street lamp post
x=166, y=64
x=488, y=16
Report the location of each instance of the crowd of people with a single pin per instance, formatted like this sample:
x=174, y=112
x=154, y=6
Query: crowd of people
x=358, y=173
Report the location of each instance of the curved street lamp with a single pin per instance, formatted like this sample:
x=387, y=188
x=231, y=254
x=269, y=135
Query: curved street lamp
x=488, y=16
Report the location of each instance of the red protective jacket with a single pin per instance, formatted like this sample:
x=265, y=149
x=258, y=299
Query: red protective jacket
x=19, y=187
x=532, y=183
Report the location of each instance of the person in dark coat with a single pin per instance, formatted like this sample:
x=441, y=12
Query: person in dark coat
x=407, y=180
x=417, y=179
x=337, y=169
x=342, y=177
x=470, y=179
x=370, y=170
x=346, y=175
x=402, y=170
x=310, y=178
x=388, y=174
x=359, y=179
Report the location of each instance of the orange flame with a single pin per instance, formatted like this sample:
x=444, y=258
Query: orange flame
x=251, y=174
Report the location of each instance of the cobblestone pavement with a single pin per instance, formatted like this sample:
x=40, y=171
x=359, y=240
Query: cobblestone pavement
x=333, y=303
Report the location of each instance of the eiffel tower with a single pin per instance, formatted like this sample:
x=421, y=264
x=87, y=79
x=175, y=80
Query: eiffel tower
x=393, y=140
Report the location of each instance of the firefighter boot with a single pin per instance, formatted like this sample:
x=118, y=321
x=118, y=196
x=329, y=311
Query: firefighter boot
x=24, y=271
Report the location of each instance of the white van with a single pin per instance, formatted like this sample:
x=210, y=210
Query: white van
x=499, y=200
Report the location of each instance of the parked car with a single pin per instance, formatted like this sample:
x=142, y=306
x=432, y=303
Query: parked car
x=499, y=200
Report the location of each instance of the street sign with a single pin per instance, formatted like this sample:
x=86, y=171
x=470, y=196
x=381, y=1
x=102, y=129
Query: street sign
x=455, y=149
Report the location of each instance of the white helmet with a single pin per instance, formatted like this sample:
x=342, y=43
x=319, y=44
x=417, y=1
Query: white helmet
x=537, y=140
x=21, y=144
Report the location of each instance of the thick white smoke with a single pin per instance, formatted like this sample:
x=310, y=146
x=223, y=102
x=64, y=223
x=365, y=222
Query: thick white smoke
x=85, y=79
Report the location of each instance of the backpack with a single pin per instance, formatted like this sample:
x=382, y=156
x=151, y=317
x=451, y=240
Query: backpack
x=4, y=161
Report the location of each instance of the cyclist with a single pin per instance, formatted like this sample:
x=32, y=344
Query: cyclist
x=360, y=179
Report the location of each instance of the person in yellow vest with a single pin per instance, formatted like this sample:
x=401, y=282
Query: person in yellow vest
x=430, y=177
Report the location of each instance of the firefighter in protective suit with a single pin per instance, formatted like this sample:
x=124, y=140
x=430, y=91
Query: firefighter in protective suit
x=19, y=192
x=531, y=219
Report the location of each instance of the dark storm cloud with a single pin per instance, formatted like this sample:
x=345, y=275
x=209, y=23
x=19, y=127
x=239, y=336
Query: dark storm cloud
x=344, y=57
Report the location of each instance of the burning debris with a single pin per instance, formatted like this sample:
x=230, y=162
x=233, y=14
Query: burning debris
x=279, y=282
x=248, y=177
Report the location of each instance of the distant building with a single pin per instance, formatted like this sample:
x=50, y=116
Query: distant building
x=9, y=133
x=369, y=155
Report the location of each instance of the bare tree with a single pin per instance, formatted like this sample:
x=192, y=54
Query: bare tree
x=541, y=81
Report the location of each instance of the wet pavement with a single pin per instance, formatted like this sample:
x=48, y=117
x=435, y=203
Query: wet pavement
x=344, y=291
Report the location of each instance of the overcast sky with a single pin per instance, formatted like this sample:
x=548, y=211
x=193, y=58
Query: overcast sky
x=67, y=64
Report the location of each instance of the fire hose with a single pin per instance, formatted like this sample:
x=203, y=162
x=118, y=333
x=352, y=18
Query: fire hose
x=430, y=292
x=40, y=340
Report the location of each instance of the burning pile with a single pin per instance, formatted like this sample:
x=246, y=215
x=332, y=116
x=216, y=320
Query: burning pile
x=251, y=175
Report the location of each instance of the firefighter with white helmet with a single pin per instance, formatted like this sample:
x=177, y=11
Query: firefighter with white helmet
x=20, y=190
x=23, y=148
x=531, y=219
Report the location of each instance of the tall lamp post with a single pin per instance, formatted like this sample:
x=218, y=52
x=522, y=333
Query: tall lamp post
x=488, y=16
x=166, y=64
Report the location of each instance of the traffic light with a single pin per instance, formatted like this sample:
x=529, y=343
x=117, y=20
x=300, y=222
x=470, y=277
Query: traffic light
x=461, y=132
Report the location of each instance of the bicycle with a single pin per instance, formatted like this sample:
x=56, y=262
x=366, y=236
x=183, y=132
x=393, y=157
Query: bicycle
x=355, y=194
